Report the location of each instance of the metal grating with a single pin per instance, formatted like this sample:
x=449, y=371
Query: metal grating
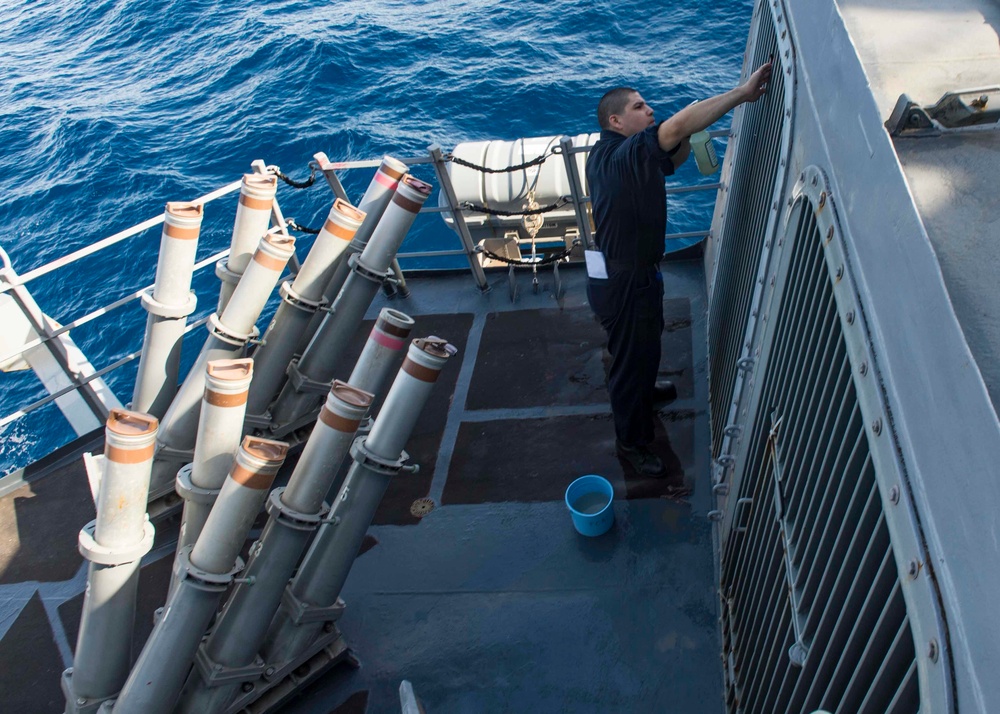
x=748, y=210
x=813, y=613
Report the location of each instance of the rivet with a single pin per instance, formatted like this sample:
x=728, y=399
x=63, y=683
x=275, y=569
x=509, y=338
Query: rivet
x=840, y=272
x=877, y=427
x=80, y=701
x=894, y=494
x=822, y=199
x=829, y=234
x=932, y=650
x=269, y=671
x=247, y=687
x=850, y=317
x=813, y=181
x=863, y=369
x=913, y=569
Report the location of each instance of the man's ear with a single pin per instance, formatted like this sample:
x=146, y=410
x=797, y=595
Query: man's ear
x=615, y=121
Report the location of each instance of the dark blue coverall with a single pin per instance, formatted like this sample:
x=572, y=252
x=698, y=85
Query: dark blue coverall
x=625, y=177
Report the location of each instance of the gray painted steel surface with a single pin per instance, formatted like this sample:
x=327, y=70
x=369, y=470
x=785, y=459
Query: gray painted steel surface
x=855, y=483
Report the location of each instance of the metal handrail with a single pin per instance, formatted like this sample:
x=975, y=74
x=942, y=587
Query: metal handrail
x=14, y=416
x=16, y=280
x=109, y=241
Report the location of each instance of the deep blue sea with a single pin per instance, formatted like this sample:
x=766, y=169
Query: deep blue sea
x=109, y=109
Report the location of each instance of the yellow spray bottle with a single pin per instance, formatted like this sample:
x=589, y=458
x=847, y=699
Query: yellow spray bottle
x=704, y=152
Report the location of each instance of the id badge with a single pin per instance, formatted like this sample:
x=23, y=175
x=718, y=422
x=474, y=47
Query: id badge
x=596, y=267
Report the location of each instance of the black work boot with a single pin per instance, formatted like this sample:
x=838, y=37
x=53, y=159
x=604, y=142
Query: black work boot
x=641, y=459
x=663, y=393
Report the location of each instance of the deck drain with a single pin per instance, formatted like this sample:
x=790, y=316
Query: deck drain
x=421, y=507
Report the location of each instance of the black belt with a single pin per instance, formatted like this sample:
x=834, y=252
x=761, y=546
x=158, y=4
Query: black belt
x=623, y=265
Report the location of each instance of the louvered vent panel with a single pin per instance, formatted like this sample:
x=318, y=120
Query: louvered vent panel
x=742, y=237
x=813, y=614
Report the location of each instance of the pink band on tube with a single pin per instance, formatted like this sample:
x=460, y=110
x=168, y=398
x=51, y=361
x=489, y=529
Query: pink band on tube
x=388, y=341
x=386, y=181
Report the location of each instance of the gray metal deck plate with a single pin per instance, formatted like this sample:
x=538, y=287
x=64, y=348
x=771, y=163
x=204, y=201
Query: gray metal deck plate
x=491, y=602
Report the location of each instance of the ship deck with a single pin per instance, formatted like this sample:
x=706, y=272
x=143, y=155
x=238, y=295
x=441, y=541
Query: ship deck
x=491, y=601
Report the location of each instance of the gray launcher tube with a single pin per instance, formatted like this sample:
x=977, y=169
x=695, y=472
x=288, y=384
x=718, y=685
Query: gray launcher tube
x=253, y=218
x=228, y=335
x=377, y=457
x=386, y=341
x=168, y=303
x=295, y=512
x=205, y=571
x=219, y=431
x=113, y=543
x=322, y=354
x=377, y=196
x=301, y=299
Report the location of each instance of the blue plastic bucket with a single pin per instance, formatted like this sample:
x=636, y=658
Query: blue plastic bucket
x=589, y=502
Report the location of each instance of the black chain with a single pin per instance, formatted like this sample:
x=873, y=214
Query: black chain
x=470, y=206
x=301, y=229
x=544, y=261
x=508, y=169
x=298, y=184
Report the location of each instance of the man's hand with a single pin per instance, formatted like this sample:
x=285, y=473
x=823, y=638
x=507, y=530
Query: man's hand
x=754, y=88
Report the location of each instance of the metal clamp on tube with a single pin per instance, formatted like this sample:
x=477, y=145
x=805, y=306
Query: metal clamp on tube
x=204, y=571
x=378, y=457
x=300, y=299
x=113, y=544
x=229, y=333
x=327, y=346
x=295, y=513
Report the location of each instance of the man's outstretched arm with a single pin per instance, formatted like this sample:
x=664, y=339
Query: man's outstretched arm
x=703, y=114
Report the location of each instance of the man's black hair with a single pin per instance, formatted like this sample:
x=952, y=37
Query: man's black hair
x=613, y=102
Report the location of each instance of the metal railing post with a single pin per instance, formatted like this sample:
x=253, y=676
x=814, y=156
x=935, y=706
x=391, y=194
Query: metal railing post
x=463, y=230
x=576, y=191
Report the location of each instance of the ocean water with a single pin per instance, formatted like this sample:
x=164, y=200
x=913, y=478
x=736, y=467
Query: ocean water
x=109, y=109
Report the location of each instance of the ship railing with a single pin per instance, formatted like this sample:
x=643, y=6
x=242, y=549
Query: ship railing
x=82, y=380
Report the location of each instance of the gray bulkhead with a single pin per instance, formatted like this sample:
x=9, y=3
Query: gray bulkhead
x=853, y=345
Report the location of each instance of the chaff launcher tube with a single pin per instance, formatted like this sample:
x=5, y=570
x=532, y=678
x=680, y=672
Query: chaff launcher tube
x=324, y=351
x=387, y=339
x=228, y=335
x=300, y=300
x=219, y=430
x=295, y=513
x=113, y=543
x=373, y=204
x=378, y=457
x=168, y=303
x=204, y=573
x=253, y=218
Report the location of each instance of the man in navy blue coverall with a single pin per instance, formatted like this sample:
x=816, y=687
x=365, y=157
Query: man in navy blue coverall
x=625, y=172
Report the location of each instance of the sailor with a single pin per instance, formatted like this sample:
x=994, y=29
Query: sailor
x=625, y=172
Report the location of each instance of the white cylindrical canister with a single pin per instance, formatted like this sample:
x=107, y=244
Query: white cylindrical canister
x=407, y=396
x=240, y=500
x=333, y=239
x=328, y=444
x=508, y=191
x=386, y=341
x=253, y=218
x=257, y=284
x=178, y=246
x=396, y=221
x=220, y=427
x=129, y=442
